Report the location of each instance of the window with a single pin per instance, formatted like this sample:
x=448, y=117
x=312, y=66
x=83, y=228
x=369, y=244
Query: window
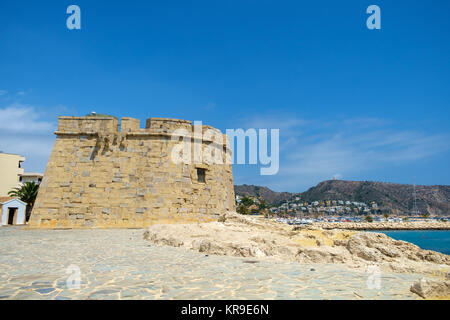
x=201, y=175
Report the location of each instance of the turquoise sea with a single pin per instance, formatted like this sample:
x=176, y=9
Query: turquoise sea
x=430, y=240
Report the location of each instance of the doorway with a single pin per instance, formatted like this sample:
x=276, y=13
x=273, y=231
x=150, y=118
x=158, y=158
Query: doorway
x=12, y=216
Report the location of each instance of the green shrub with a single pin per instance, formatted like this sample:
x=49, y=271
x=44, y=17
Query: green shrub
x=242, y=209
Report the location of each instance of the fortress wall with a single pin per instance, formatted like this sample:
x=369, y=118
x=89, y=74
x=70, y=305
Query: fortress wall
x=88, y=124
x=129, y=125
x=98, y=177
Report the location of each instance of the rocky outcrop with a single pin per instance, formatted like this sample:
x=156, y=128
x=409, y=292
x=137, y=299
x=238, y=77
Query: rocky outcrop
x=242, y=236
x=378, y=246
x=431, y=289
x=412, y=225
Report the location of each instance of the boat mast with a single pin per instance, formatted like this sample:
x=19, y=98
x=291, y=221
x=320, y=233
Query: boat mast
x=415, y=209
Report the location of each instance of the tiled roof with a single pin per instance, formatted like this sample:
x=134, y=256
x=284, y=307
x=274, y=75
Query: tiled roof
x=5, y=199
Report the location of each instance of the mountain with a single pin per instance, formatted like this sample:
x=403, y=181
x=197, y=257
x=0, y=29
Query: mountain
x=265, y=193
x=434, y=200
x=397, y=197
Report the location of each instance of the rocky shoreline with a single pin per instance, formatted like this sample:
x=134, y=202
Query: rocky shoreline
x=243, y=236
x=363, y=226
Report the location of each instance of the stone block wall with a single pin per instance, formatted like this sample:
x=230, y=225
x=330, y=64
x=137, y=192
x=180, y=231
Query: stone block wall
x=100, y=177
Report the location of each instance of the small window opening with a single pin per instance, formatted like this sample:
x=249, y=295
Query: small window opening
x=201, y=175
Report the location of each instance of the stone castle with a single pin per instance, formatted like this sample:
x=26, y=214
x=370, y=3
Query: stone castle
x=103, y=176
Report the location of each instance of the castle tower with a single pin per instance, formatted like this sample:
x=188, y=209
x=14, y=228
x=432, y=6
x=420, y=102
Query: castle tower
x=101, y=177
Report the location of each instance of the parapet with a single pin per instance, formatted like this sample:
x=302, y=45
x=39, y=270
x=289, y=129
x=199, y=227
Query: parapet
x=105, y=125
x=87, y=125
x=167, y=123
x=129, y=124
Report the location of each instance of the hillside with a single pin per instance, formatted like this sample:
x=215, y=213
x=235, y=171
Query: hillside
x=265, y=193
x=434, y=200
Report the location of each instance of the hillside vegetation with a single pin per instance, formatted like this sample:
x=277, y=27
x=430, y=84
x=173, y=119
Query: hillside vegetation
x=398, y=198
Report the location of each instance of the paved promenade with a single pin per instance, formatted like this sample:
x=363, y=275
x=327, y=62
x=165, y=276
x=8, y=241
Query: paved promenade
x=119, y=264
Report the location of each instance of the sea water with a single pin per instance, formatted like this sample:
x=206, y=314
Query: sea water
x=436, y=240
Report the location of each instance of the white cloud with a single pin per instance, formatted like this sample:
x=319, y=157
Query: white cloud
x=366, y=122
x=3, y=92
x=23, y=119
x=284, y=123
x=24, y=131
x=349, y=153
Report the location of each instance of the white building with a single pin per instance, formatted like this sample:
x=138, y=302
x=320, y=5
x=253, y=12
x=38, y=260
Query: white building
x=31, y=177
x=10, y=171
x=12, y=211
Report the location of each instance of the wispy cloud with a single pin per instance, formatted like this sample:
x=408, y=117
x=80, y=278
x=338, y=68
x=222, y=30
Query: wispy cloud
x=3, y=92
x=23, y=119
x=25, y=131
x=366, y=122
x=284, y=123
x=347, y=153
x=313, y=150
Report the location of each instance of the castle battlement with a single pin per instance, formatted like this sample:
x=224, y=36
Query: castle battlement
x=98, y=125
x=104, y=173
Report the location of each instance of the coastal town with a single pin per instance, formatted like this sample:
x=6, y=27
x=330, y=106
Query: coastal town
x=296, y=211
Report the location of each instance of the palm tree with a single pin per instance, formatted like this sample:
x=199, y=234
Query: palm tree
x=246, y=201
x=263, y=205
x=26, y=193
x=386, y=215
x=242, y=209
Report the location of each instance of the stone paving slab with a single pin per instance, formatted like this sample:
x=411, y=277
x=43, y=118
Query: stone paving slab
x=119, y=264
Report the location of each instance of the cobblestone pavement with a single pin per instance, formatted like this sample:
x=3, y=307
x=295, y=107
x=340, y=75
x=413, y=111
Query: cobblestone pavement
x=119, y=264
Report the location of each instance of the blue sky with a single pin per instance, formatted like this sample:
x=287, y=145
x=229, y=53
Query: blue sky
x=350, y=102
